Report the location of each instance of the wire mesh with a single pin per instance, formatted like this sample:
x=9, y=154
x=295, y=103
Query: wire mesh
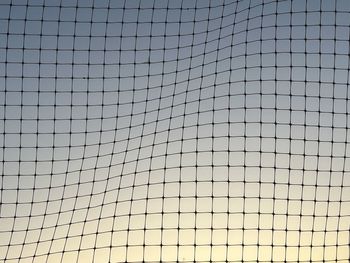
x=174, y=131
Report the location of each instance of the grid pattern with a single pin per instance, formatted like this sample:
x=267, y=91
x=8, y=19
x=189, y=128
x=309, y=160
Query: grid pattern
x=174, y=131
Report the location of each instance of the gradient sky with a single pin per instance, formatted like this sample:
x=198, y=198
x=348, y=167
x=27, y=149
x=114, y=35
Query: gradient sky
x=174, y=131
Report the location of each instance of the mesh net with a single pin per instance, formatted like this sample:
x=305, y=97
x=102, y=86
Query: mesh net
x=174, y=131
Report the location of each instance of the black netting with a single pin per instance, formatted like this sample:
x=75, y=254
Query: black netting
x=174, y=131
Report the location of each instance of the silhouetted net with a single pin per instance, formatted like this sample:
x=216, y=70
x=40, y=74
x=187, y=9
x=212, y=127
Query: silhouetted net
x=174, y=131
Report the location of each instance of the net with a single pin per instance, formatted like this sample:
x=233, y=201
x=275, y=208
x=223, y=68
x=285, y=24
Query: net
x=174, y=131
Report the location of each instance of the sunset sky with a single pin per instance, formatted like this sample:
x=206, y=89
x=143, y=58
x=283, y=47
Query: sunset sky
x=174, y=131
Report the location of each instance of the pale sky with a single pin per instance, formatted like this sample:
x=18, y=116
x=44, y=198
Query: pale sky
x=174, y=131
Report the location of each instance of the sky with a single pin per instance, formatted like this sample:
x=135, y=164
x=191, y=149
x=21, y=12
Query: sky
x=174, y=131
